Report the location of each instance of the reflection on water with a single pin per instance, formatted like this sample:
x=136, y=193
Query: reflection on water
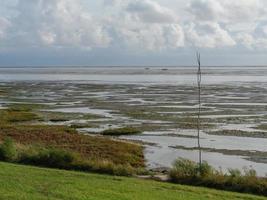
x=137, y=75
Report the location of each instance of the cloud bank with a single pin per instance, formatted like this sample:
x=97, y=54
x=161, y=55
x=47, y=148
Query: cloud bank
x=134, y=25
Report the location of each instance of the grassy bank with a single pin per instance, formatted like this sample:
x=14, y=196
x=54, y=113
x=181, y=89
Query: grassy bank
x=37, y=144
x=24, y=182
x=89, y=147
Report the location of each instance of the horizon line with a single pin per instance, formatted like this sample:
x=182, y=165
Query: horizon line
x=146, y=66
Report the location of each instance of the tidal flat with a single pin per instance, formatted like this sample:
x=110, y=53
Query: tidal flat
x=161, y=105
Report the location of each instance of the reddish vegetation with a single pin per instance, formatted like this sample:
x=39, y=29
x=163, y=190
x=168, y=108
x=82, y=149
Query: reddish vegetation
x=90, y=147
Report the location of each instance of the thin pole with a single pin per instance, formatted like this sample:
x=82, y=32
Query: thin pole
x=199, y=109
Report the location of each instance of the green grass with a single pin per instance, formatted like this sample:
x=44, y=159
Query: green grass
x=24, y=182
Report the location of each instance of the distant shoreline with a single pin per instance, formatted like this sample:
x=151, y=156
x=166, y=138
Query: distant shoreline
x=129, y=66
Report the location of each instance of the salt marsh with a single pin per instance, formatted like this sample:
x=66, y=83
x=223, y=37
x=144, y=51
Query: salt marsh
x=160, y=103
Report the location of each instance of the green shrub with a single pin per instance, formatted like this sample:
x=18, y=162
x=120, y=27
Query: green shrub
x=105, y=167
x=54, y=158
x=206, y=169
x=187, y=172
x=183, y=168
x=8, y=150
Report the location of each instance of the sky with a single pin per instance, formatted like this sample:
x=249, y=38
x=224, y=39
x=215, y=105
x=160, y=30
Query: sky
x=132, y=32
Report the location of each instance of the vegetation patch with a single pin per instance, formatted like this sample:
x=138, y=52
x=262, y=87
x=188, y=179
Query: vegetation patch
x=11, y=116
x=80, y=125
x=89, y=147
x=262, y=127
x=46, y=157
x=60, y=117
x=191, y=123
x=121, y=131
x=62, y=142
x=26, y=107
x=172, y=135
x=189, y=172
x=239, y=133
x=7, y=150
x=60, y=158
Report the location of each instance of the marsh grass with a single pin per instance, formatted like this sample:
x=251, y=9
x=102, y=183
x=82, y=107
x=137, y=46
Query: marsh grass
x=13, y=116
x=66, y=138
x=25, y=107
x=262, y=127
x=239, y=133
x=121, y=131
x=255, y=156
x=59, y=116
x=51, y=157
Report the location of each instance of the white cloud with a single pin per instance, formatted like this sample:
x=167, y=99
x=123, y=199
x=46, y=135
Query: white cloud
x=231, y=22
x=151, y=12
x=147, y=25
x=228, y=11
x=58, y=23
x=246, y=39
x=209, y=35
x=205, y=10
x=153, y=37
x=4, y=25
x=251, y=42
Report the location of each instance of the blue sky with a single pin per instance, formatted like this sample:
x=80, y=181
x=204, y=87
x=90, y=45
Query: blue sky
x=132, y=32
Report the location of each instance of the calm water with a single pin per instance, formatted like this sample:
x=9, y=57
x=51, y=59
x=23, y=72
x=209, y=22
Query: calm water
x=137, y=75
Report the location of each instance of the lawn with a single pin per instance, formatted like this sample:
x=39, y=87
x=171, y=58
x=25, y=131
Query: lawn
x=24, y=182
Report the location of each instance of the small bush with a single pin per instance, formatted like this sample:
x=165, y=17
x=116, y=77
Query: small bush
x=121, y=131
x=206, y=169
x=183, y=168
x=8, y=150
x=234, y=173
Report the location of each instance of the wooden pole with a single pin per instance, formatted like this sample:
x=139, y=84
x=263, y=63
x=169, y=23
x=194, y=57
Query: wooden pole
x=199, y=110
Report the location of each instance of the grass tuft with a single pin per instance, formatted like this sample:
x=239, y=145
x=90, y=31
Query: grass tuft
x=121, y=131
